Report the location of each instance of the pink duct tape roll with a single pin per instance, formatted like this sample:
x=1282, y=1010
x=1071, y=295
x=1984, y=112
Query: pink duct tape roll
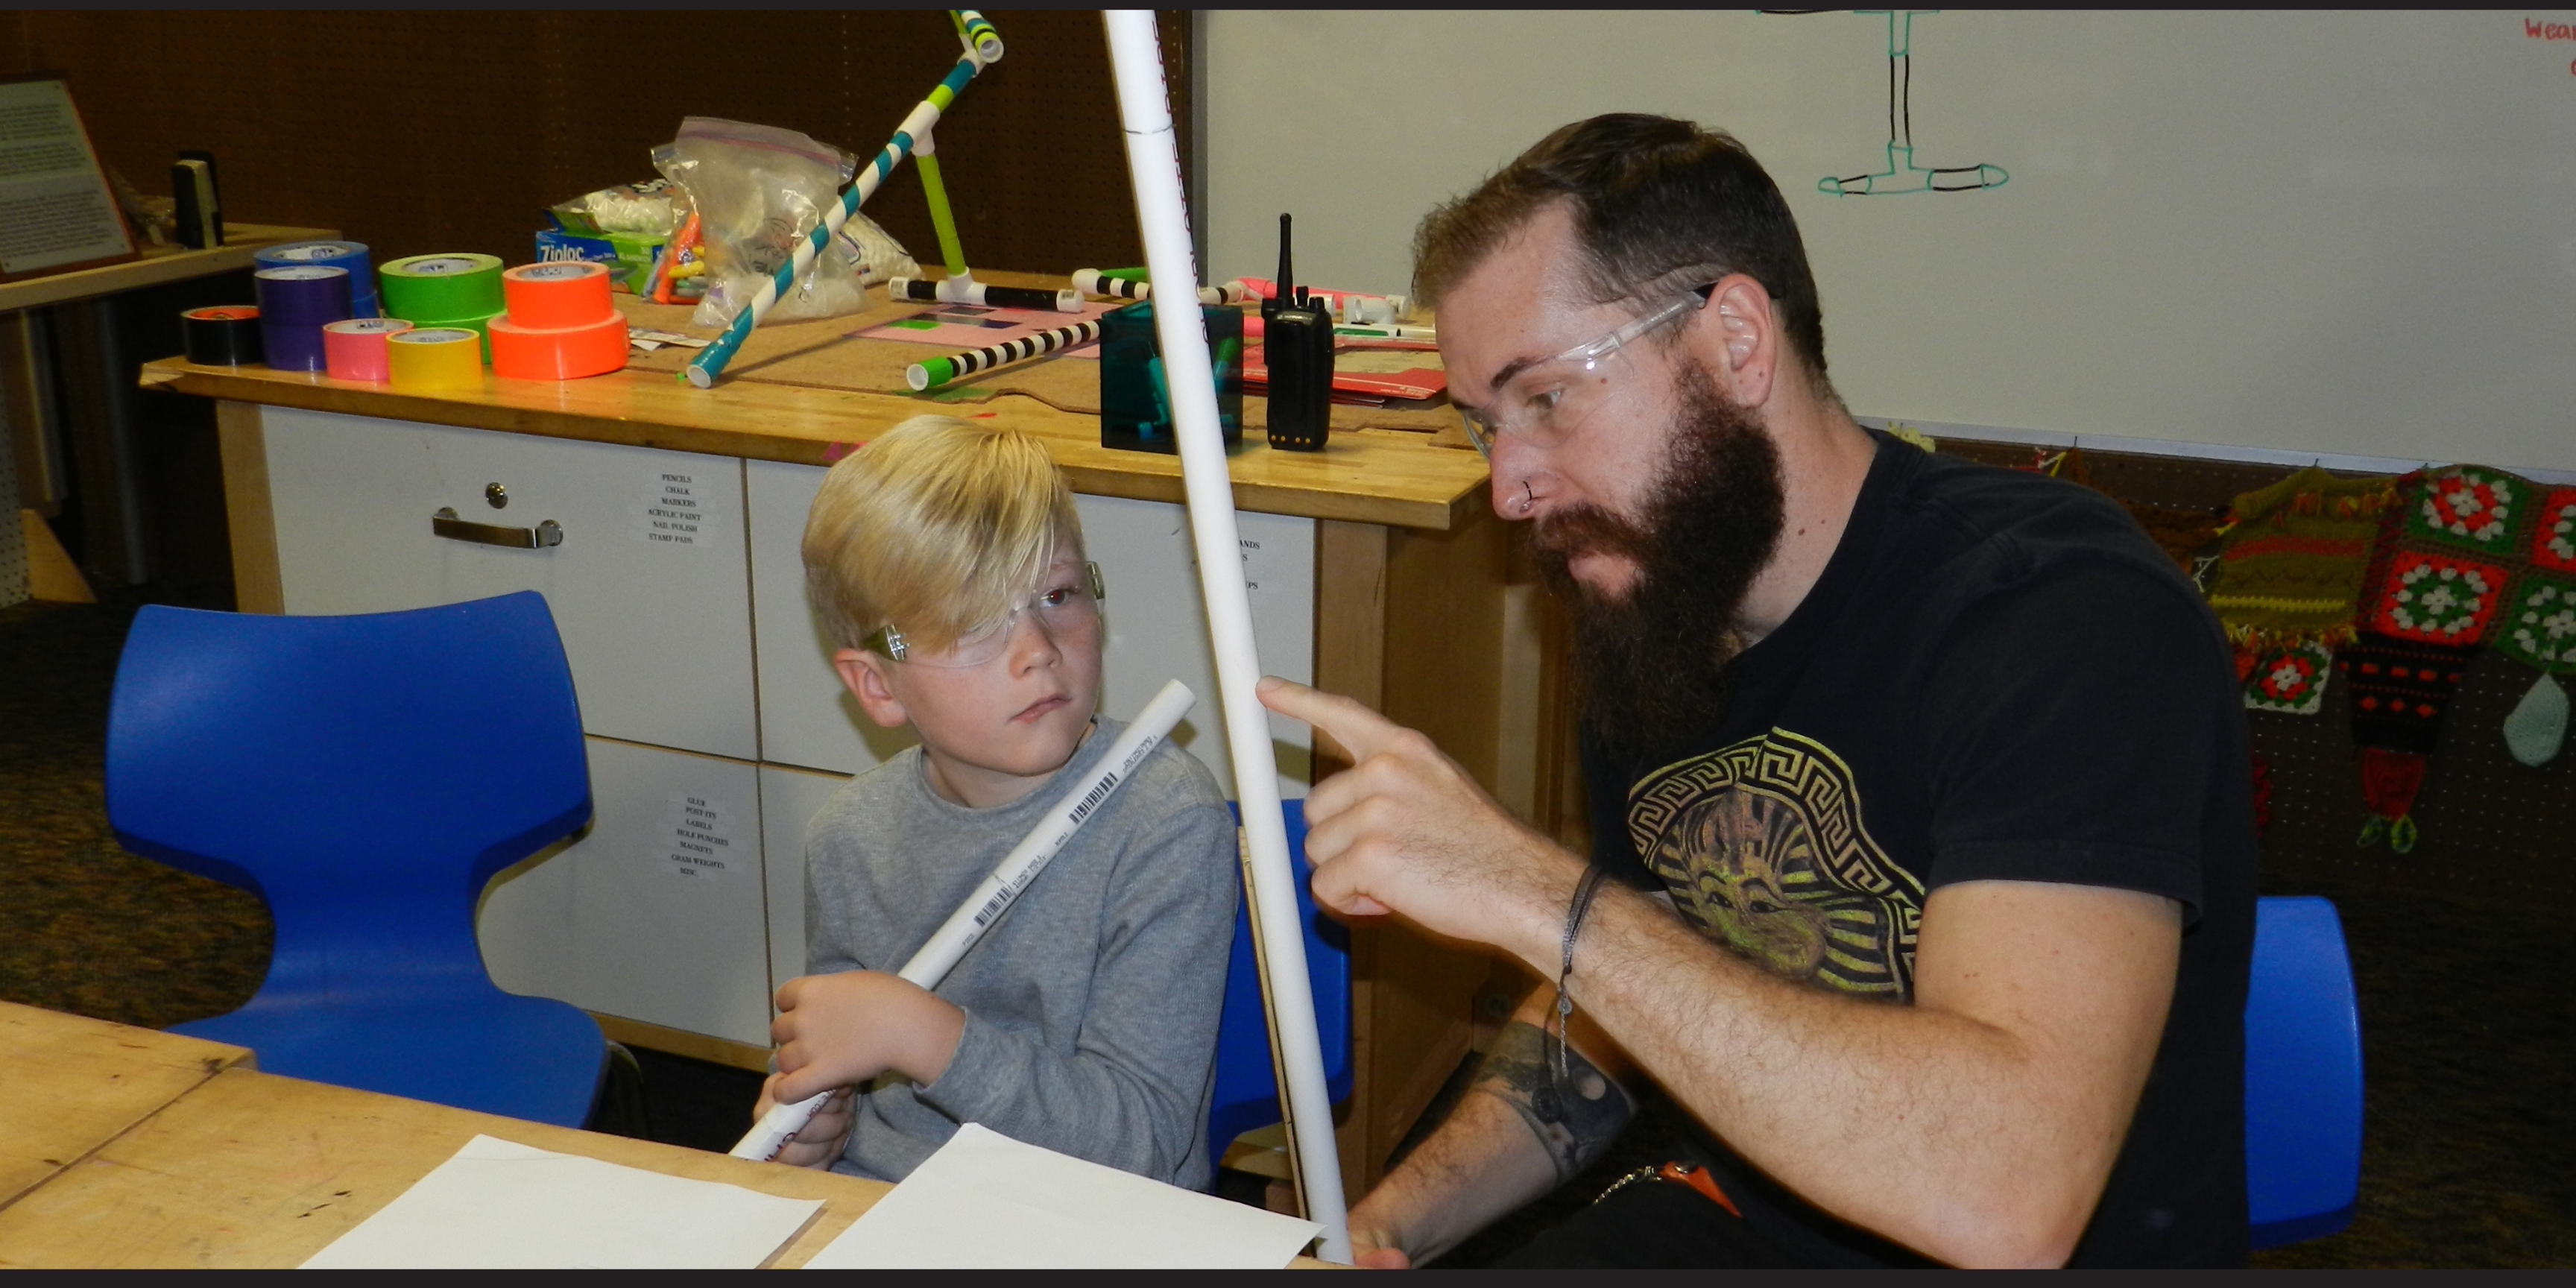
x=355, y=349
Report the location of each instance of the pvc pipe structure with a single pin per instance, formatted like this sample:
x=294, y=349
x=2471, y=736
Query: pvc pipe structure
x=994, y=895
x=1153, y=163
x=710, y=361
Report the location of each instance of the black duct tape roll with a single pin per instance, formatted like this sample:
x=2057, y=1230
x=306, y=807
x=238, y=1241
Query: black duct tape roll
x=226, y=335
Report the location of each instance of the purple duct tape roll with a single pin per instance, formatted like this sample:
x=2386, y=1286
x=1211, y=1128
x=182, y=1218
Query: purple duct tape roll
x=303, y=294
x=293, y=346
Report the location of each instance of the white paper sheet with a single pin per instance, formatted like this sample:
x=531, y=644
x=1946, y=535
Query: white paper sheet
x=986, y=1201
x=498, y=1205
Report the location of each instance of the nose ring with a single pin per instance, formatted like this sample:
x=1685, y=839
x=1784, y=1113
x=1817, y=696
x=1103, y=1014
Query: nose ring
x=1529, y=499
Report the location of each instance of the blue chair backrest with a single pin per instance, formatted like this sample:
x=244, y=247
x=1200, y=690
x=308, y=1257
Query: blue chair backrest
x=2302, y=1075
x=1247, y=1089
x=364, y=775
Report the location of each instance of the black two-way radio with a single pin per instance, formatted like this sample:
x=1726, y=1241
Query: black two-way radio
x=1297, y=347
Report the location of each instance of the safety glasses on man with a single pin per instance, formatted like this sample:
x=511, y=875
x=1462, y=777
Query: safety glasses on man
x=1546, y=401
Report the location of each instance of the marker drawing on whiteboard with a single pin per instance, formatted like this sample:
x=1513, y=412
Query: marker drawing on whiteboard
x=994, y=895
x=1901, y=174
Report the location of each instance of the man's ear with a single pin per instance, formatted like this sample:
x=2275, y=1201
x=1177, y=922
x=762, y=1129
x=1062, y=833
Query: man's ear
x=866, y=676
x=1741, y=339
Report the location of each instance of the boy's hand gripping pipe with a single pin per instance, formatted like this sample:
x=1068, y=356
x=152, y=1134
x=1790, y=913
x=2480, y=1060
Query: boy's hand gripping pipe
x=995, y=894
x=1153, y=162
x=983, y=46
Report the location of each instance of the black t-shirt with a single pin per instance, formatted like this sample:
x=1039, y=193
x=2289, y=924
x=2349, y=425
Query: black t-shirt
x=1997, y=677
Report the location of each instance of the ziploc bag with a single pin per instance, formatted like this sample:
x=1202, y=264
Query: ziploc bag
x=760, y=191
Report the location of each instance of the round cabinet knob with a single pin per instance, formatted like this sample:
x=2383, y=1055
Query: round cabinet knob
x=498, y=495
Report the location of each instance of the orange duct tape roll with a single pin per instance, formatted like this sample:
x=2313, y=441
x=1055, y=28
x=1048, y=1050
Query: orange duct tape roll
x=555, y=295
x=558, y=353
x=355, y=349
x=432, y=358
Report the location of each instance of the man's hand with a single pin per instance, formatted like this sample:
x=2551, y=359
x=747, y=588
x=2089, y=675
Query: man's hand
x=1406, y=830
x=842, y=1030
x=822, y=1137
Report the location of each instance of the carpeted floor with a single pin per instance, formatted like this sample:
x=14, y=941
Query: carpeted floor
x=2469, y=1039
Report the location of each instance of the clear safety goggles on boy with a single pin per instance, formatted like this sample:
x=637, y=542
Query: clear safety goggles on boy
x=1548, y=400
x=1065, y=612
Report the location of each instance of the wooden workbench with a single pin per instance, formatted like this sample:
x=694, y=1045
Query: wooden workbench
x=73, y=1084
x=1409, y=606
x=154, y=266
x=199, y=1161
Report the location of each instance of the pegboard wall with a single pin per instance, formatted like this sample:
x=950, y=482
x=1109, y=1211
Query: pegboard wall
x=2490, y=825
x=418, y=131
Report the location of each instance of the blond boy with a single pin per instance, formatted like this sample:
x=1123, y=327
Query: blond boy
x=946, y=560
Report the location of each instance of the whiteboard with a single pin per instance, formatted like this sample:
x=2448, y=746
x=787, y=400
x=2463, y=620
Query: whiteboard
x=2344, y=233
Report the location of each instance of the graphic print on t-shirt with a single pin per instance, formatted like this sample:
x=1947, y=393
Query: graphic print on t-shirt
x=1763, y=848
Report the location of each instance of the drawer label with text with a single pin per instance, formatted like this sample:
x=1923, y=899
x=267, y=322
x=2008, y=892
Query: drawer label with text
x=700, y=836
x=673, y=508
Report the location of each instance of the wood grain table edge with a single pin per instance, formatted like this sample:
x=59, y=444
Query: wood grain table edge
x=1391, y=477
x=171, y=1053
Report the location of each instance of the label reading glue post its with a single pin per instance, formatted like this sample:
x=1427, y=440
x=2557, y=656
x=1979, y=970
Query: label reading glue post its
x=672, y=510
x=699, y=836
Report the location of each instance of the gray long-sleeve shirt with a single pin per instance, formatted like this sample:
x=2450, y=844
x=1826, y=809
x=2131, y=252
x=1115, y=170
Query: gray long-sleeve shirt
x=1091, y=1007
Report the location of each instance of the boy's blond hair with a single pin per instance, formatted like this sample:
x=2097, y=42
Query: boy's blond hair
x=933, y=528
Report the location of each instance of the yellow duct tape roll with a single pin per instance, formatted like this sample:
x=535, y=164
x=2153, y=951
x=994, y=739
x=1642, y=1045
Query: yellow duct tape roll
x=435, y=358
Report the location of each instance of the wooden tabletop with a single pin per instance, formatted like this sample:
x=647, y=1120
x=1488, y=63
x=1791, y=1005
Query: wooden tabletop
x=1404, y=479
x=253, y=1170
x=69, y=1085
x=250, y=1170
x=158, y=264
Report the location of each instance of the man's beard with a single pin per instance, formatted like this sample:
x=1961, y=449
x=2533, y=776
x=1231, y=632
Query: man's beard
x=1653, y=664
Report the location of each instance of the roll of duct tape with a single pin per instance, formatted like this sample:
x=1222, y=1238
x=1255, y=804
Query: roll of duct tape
x=555, y=295
x=427, y=359
x=558, y=353
x=225, y=335
x=329, y=254
x=442, y=290
x=355, y=349
x=294, y=303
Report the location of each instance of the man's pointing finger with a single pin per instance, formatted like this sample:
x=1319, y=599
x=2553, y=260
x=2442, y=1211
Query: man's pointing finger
x=1345, y=720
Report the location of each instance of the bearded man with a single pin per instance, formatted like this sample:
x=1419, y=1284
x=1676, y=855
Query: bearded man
x=1919, y=787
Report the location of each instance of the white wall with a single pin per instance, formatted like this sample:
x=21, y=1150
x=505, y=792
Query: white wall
x=2344, y=232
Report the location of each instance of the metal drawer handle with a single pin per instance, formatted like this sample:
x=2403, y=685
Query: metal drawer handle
x=446, y=524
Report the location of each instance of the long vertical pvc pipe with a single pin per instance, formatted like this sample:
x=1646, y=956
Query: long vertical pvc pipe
x=1153, y=162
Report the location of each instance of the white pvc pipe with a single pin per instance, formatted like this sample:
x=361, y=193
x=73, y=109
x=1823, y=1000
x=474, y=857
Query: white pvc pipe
x=1153, y=162
x=994, y=895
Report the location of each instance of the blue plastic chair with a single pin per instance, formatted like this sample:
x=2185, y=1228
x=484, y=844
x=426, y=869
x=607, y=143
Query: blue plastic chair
x=2302, y=1075
x=1247, y=1090
x=366, y=776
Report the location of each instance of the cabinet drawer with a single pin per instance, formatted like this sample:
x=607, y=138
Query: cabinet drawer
x=659, y=912
x=1157, y=629
x=646, y=585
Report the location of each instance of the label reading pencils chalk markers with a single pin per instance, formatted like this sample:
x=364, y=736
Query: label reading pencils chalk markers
x=673, y=508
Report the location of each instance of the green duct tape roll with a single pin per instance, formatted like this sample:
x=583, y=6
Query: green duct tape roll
x=438, y=290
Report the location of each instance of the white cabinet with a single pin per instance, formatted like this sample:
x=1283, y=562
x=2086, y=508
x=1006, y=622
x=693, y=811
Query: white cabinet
x=789, y=799
x=718, y=726
x=1157, y=630
x=806, y=717
x=661, y=912
x=653, y=608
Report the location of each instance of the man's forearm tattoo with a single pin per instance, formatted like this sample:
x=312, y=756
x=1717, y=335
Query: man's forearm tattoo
x=1575, y=1118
